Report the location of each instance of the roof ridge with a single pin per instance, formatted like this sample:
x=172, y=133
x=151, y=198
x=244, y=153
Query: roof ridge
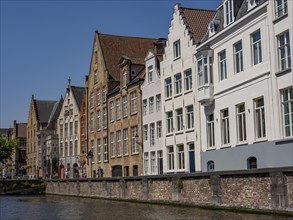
x=199, y=9
x=114, y=35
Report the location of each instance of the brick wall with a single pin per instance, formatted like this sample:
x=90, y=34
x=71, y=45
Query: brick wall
x=266, y=189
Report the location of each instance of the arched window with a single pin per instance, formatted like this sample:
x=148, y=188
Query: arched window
x=251, y=163
x=210, y=166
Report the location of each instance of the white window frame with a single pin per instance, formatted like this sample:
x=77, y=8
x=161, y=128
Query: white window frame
x=105, y=150
x=256, y=48
x=98, y=97
x=178, y=83
x=228, y=12
x=170, y=154
x=146, y=163
x=168, y=87
x=176, y=49
x=118, y=109
x=92, y=122
x=259, y=119
x=124, y=79
x=133, y=104
x=134, y=144
x=241, y=123
x=169, y=122
x=104, y=94
x=112, y=145
x=92, y=100
x=179, y=119
x=124, y=106
x=189, y=117
x=188, y=80
x=223, y=65
x=99, y=158
x=158, y=102
x=144, y=106
x=118, y=145
x=152, y=134
x=153, y=162
x=287, y=113
x=210, y=131
x=238, y=57
x=125, y=142
x=99, y=120
x=105, y=118
x=145, y=132
x=151, y=104
x=150, y=74
x=281, y=8
x=112, y=116
x=284, y=51
x=225, y=127
x=159, y=129
x=180, y=157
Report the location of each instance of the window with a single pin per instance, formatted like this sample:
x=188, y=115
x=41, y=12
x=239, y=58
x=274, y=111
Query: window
x=104, y=94
x=169, y=122
x=75, y=148
x=118, y=146
x=124, y=79
x=170, y=158
x=92, y=100
x=61, y=130
x=168, y=87
x=133, y=103
x=287, y=108
x=188, y=80
x=98, y=120
x=118, y=110
x=92, y=122
x=146, y=163
x=66, y=126
x=145, y=132
x=225, y=127
x=256, y=47
x=178, y=83
x=61, y=150
x=238, y=57
x=241, y=123
x=228, y=10
x=210, y=130
x=99, y=150
x=96, y=56
x=159, y=129
x=151, y=105
x=153, y=162
x=66, y=149
x=179, y=119
x=150, y=74
x=76, y=127
x=189, y=117
x=96, y=77
x=181, y=164
x=124, y=106
x=222, y=65
x=259, y=114
x=158, y=102
x=210, y=166
x=125, y=141
x=105, y=149
x=176, y=49
x=105, y=118
x=98, y=96
x=70, y=128
x=251, y=163
x=112, y=145
x=152, y=134
x=202, y=69
x=281, y=8
x=112, y=111
x=134, y=140
x=144, y=106
x=284, y=51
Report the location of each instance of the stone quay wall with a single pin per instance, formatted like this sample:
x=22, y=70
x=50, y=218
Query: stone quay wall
x=261, y=189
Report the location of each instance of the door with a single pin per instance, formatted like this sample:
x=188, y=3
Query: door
x=191, y=158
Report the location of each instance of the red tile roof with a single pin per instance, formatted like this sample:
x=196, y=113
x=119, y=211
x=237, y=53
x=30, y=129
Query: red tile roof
x=198, y=21
x=114, y=47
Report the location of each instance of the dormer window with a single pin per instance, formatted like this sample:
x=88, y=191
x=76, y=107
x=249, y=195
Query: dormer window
x=150, y=74
x=281, y=8
x=212, y=28
x=176, y=49
x=228, y=12
x=251, y=4
x=124, y=79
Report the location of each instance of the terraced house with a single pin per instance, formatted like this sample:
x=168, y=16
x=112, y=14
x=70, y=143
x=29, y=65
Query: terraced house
x=114, y=103
x=181, y=127
x=245, y=86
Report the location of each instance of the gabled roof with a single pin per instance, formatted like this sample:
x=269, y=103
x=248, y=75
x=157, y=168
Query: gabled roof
x=55, y=114
x=78, y=94
x=44, y=109
x=114, y=47
x=197, y=20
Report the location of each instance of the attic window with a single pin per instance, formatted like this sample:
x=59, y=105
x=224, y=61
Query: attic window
x=228, y=12
x=124, y=79
x=212, y=28
x=251, y=4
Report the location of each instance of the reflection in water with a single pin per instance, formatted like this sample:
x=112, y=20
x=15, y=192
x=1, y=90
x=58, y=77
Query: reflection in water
x=63, y=207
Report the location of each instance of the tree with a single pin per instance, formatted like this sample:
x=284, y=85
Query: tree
x=6, y=148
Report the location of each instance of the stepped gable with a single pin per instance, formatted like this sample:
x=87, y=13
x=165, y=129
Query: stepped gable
x=197, y=21
x=114, y=47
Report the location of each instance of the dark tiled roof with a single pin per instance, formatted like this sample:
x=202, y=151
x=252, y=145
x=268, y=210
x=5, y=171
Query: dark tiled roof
x=198, y=21
x=114, y=47
x=44, y=109
x=78, y=94
x=21, y=129
x=55, y=114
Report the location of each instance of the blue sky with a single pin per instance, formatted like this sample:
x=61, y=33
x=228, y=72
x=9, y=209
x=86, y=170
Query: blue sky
x=44, y=42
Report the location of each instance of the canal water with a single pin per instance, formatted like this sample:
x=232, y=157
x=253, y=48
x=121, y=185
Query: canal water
x=63, y=207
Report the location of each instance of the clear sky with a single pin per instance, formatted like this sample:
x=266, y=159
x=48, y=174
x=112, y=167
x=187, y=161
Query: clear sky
x=44, y=42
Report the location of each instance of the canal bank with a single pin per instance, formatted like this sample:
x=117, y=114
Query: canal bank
x=264, y=190
x=22, y=187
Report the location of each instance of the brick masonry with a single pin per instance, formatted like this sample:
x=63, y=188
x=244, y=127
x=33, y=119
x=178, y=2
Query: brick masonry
x=263, y=189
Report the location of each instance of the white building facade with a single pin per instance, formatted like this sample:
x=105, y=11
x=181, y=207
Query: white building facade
x=152, y=117
x=245, y=86
x=69, y=133
x=179, y=101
